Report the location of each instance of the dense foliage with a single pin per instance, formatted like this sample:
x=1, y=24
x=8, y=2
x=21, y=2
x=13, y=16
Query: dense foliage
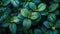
x=29, y=16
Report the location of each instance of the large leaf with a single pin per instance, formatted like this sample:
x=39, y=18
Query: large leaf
x=26, y=23
x=41, y=6
x=15, y=3
x=12, y=28
x=53, y=7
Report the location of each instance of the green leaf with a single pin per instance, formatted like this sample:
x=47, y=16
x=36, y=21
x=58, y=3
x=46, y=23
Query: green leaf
x=57, y=25
x=52, y=32
x=37, y=31
x=57, y=1
x=44, y=13
x=15, y=3
x=53, y=7
x=51, y=17
x=57, y=12
x=12, y=28
x=32, y=6
x=5, y=2
x=24, y=12
x=5, y=24
x=15, y=19
x=34, y=15
x=26, y=23
x=44, y=29
x=41, y=7
x=46, y=24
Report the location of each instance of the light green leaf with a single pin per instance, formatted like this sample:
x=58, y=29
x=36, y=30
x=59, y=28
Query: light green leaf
x=15, y=19
x=34, y=15
x=25, y=12
x=41, y=6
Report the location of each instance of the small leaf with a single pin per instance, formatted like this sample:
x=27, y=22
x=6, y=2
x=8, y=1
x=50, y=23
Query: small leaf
x=12, y=28
x=46, y=24
x=41, y=6
x=15, y=3
x=57, y=1
x=52, y=17
x=20, y=17
x=5, y=2
x=32, y=6
x=44, y=13
x=37, y=31
x=52, y=32
x=44, y=29
x=57, y=12
x=34, y=15
x=3, y=17
x=26, y=5
x=53, y=7
x=25, y=12
x=57, y=25
x=26, y=23
x=5, y=24
x=15, y=19
x=36, y=1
